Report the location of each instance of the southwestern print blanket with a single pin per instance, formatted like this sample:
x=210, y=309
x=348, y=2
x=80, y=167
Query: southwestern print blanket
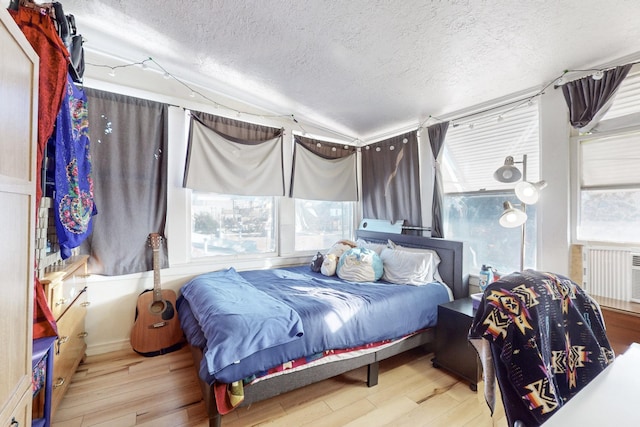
x=546, y=340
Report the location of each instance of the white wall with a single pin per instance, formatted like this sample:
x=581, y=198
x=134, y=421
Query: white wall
x=113, y=299
x=554, y=205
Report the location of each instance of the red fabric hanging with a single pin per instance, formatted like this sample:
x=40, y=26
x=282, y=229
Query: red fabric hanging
x=40, y=31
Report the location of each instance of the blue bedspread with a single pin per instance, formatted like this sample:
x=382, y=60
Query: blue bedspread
x=240, y=315
x=335, y=314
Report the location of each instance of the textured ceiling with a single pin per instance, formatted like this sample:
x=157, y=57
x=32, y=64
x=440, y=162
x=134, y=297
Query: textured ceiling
x=363, y=68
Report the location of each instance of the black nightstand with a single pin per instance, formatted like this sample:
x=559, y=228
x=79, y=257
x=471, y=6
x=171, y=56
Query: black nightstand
x=453, y=352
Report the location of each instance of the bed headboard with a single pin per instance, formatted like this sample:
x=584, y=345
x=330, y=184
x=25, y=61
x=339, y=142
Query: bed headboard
x=450, y=252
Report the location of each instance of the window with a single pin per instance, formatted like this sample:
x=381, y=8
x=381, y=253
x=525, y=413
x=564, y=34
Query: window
x=608, y=174
x=609, y=201
x=231, y=225
x=319, y=224
x=473, y=199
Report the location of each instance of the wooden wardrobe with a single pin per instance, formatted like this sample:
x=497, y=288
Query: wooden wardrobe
x=18, y=133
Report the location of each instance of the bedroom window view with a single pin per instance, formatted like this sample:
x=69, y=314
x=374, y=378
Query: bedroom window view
x=472, y=218
x=319, y=224
x=610, y=189
x=231, y=225
x=473, y=198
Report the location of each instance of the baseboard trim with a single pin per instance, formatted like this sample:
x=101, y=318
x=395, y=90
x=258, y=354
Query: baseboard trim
x=93, y=350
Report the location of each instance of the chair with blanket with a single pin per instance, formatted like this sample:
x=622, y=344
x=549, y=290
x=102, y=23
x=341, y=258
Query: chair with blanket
x=543, y=339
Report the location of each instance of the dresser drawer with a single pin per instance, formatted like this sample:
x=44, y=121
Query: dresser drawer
x=57, y=302
x=63, y=283
x=69, y=349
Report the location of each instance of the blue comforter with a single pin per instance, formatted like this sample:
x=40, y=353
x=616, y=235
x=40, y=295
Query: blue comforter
x=334, y=314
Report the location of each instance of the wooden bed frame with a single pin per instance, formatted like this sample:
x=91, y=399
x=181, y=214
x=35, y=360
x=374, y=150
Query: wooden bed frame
x=451, y=271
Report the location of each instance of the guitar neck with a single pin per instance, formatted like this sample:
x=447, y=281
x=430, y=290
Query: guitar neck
x=157, y=291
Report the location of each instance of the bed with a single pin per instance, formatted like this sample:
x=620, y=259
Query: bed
x=294, y=350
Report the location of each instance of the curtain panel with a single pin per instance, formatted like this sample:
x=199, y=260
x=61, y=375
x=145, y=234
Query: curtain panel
x=128, y=153
x=437, y=134
x=588, y=99
x=230, y=157
x=323, y=171
x=391, y=181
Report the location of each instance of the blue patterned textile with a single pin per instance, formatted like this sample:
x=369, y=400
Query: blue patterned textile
x=73, y=202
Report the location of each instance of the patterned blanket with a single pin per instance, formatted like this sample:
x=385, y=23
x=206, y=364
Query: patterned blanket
x=546, y=340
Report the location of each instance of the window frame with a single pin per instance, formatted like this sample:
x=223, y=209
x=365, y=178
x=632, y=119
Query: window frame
x=497, y=156
x=235, y=255
x=576, y=174
x=618, y=125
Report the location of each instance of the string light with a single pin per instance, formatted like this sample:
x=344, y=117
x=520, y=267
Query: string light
x=144, y=64
x=597, y=74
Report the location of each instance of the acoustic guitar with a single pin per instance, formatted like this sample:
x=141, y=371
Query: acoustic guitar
x=156, y=329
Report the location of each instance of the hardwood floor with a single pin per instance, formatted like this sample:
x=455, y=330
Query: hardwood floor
x=125, y=389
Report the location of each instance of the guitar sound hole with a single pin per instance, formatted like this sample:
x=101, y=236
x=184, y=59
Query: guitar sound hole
x=157, y=307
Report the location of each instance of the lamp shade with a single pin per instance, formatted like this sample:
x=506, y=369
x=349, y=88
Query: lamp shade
x=528, y=192
x=512, y=217
x=509, y=172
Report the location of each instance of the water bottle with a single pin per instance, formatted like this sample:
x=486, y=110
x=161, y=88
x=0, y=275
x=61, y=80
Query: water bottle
x=485, y=277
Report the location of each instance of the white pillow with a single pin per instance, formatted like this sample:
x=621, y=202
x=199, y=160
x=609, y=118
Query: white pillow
x=407, y=267
x=435, y=261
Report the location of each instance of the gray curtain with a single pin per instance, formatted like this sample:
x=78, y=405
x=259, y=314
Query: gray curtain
x=589, y=99
x=437, y=134
x=390, y=180
x=323, y=171
x=128, y=150
x=230, y=157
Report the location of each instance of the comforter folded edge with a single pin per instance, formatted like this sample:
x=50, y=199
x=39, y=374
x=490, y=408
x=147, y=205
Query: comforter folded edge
x=233, y=314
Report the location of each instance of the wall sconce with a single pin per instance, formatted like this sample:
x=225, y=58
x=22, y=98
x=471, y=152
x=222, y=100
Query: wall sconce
x=527, y=192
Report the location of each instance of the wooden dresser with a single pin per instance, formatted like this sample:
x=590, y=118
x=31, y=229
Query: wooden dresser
x=65, y=288
x=18, y=131
x=622, y=320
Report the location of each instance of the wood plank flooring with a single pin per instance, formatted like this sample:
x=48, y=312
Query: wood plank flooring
x=124, y=389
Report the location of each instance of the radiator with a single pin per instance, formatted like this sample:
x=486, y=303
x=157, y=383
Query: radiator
x=612, y=272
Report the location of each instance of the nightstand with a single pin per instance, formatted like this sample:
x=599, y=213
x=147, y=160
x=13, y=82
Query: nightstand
x=453, y=351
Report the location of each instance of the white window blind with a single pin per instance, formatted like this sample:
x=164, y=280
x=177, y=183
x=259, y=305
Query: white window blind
x=473, y=153
x=627, y=98
x=612, y=161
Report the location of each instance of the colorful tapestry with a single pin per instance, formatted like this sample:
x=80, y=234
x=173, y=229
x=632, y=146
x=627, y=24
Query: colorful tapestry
x=547, y=339
x=73, y=201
